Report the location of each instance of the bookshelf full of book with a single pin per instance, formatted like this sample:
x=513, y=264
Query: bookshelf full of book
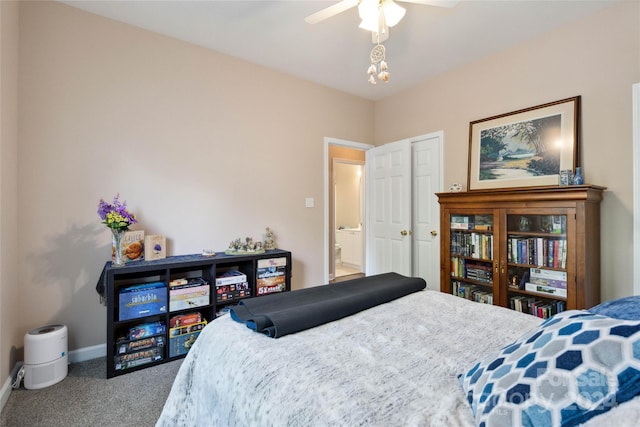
x=157, y=309
x=532, y=249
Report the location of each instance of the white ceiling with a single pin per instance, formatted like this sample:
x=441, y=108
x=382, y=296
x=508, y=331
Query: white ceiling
x=427, y=42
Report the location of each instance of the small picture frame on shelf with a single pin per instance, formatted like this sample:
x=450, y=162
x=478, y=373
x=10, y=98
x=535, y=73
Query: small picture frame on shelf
x=155, y=247
x=514, y=281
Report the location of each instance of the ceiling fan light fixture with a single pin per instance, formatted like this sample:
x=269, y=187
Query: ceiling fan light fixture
x=371, y=15
x=369, y=25
x=368, y=10
x=393, y=13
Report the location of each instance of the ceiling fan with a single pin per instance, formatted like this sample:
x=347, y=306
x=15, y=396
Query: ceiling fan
x=377, y=16
x=345, y=5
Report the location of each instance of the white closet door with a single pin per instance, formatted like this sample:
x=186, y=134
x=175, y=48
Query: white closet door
x=426, y=210
x=389, y=212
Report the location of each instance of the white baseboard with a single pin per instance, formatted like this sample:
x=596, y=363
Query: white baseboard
x=75, y=356
x=88, y=353
x=5, y=392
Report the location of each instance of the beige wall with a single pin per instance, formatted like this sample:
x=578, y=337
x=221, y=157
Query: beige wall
x=205, y=148
x=578, y=59
x=10, y=336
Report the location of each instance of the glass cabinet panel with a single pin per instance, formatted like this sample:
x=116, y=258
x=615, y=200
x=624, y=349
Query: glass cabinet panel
x=472, y=253
x=536, y=255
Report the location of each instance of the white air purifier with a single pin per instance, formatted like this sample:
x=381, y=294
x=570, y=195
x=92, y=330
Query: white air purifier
x=45, y=356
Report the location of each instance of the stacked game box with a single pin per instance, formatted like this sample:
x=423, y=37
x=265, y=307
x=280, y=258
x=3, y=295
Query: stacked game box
x=188, y=293
x=142, y=300
x=146, y=330
x=552, y=282
x=271, y=276
x=183, y=333
x=232, y=285
x=142, y=345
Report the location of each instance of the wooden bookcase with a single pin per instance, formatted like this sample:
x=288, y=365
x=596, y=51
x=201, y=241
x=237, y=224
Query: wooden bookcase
x=495, y=241
x=160, y=273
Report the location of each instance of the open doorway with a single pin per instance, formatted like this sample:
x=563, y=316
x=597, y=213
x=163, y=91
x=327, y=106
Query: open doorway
x=349, y=154
x=348, y=217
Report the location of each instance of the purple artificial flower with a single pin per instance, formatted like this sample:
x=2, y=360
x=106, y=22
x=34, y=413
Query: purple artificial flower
x=115, y=215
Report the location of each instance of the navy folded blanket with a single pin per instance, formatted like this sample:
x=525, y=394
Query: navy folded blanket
x=285, y=313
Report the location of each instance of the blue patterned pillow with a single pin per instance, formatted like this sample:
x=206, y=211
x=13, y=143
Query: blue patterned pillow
x=574, y=366
x=627, y=308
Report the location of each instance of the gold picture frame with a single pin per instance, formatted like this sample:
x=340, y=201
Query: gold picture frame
x=524, y=148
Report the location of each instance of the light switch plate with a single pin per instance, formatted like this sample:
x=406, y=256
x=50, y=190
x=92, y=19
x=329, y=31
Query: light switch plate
x=309, y=202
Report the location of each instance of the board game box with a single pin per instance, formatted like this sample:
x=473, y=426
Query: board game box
x=271, y=276
x=138, y=358
x=142, y=300
x=182, y=338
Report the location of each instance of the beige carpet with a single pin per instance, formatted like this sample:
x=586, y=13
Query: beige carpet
x=87, y=398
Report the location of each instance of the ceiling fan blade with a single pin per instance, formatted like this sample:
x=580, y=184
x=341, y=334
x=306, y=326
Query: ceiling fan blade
x=331, y=11
x=439, y=3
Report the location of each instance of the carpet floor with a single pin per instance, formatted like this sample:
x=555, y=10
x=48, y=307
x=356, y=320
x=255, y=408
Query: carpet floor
x=87, y=398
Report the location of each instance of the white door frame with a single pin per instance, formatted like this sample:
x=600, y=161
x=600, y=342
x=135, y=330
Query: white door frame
x=636, y=188
x=343, y=143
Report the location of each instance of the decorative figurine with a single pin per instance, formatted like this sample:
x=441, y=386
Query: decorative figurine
x=238, y=246
x=269, y=242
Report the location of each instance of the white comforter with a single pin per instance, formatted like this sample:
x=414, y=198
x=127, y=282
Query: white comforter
x=392, y=365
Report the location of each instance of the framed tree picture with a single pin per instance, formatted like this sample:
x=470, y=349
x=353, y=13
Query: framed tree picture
x=524, y=148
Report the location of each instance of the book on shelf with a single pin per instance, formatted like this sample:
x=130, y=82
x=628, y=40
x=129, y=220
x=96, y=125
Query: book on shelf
x=535, y=306
x=543, y=273
x=476, y=245
x=461, y=219
x=461, y=226
x=484, y=227
x=471, y=292
x=543, y=289
x=537, y=251
x=544, y=281
x=457, y=266
x=479, y=272
x=559, y=224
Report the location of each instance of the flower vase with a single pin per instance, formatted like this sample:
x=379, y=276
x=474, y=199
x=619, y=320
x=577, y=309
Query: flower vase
x=117, y=260
x=578, y=179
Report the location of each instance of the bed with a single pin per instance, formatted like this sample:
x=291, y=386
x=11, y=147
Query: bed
x=424, y=359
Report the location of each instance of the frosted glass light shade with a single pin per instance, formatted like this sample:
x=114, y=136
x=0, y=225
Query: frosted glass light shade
x=392, y=12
